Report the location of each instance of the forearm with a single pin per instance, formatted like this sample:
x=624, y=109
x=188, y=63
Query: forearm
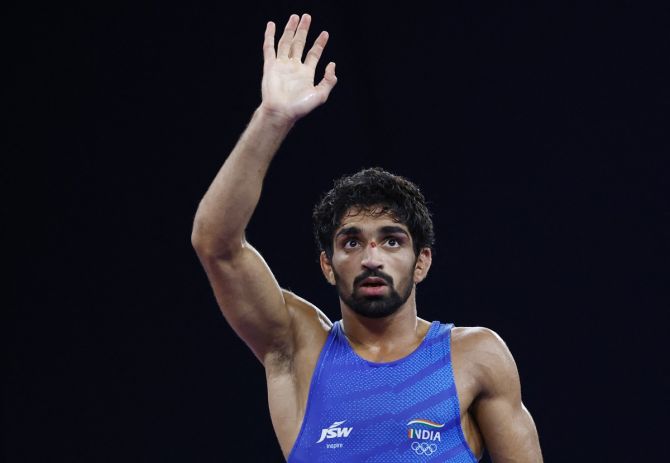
x=227, y=206
x=288, y=93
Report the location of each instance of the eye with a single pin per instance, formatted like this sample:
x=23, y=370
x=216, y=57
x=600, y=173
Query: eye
x=350, y=243
x=393, y=242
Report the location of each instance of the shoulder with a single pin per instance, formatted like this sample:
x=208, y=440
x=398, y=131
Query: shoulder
x=310, y=326
x=478, y=339
x=303, y=310
x=486, y=356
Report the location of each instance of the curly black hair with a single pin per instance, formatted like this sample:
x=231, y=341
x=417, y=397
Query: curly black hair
x=367, y=189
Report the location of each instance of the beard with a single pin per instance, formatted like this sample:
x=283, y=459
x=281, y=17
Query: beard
x=374, y=306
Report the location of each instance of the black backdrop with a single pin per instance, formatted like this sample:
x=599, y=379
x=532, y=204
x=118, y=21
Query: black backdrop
x=538, y=134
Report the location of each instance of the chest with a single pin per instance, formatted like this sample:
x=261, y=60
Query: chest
x=399, y=411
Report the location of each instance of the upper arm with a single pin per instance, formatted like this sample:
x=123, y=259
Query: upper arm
x=251, y=300
x=506, y=425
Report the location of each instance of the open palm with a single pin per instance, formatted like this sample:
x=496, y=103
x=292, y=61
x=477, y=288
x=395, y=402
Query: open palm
x=288, y=83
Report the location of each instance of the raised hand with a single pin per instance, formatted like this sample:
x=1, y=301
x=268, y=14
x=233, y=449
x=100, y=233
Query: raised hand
x=288, y=83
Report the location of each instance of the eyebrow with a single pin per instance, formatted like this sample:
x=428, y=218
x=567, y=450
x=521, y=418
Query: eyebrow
x=350, y=231
x=393, y=229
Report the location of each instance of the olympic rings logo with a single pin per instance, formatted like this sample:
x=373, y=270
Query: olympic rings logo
x=423, y=448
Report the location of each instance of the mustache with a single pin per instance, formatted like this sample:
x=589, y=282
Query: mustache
x=373, y=273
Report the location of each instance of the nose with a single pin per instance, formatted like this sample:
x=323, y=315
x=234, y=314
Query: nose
x=372, y=257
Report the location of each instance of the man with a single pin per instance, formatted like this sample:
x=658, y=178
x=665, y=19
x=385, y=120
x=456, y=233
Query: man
x=381, y=385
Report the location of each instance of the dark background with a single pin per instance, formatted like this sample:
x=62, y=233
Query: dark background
x=539, y=134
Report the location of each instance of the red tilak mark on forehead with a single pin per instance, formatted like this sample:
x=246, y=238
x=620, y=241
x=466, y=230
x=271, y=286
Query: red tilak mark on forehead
x=373, y=244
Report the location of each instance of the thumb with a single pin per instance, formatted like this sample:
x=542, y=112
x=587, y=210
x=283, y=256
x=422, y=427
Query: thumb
x=329, y=80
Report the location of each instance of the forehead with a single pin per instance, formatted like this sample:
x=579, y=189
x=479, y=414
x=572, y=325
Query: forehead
x=368, y=218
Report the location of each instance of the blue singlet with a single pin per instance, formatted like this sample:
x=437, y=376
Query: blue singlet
x=402, y=411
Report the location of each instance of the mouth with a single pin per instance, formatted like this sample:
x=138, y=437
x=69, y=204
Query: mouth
x=372, y=286
x=373, y=282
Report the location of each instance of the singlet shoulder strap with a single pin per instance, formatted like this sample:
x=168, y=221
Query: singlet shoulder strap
x=336, y=329
x=444, y=330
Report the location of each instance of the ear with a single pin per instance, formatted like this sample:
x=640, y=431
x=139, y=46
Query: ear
x=423, y=261
x=327, y=268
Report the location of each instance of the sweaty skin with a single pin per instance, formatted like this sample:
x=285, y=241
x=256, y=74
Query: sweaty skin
x=286, y=332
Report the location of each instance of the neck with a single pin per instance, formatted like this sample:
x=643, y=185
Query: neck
x=400, y=330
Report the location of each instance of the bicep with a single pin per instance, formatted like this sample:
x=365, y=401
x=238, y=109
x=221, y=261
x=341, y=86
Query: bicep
x=508, y=430
x=251, y=300
x=507, y=427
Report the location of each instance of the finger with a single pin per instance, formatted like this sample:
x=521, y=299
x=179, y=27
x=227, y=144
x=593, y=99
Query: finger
x=314, y=54
x=298, y=43
x=328, y=82
x=284, y=45
x=269, y=42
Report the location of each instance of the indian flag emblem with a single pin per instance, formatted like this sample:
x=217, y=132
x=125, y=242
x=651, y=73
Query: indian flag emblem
x=432, y=424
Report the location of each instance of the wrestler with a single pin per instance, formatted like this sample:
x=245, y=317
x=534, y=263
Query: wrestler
x=381, y=384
